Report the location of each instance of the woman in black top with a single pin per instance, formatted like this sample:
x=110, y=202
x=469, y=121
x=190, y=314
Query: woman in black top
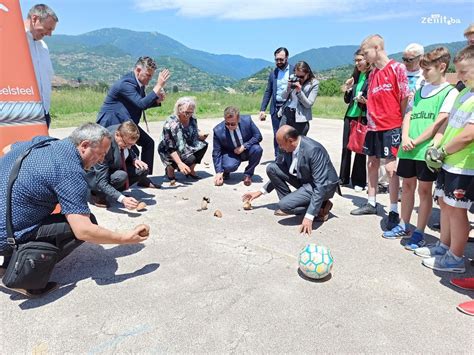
x=355, y=94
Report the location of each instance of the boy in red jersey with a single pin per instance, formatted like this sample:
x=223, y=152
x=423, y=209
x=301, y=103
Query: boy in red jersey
x=386, y=103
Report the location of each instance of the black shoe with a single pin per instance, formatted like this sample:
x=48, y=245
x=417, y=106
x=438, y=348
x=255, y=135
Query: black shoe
x=393, y=220
x=226, y=176
x=366, y=209
x=436, y=226
x=50, y=287
x=381, y=189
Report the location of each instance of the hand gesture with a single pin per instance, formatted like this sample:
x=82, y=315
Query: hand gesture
x=139, y=234
x=130, y=203
x=219, y=179
x=184, y=169
x=140, y=164
x=407, y=144
x=163, y=78
x=239, y=150
x=306, y=227
x=250, y=196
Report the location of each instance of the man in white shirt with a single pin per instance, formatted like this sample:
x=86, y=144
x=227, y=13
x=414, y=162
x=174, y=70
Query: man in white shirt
x=41, y=21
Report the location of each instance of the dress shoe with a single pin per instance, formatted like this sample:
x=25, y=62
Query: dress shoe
x=247, y=180
x=100, y=202
x=148, y=184
x=280, y=213
x=323, y=214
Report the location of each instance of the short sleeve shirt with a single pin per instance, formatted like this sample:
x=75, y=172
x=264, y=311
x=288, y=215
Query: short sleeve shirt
x=49, y=175
x=387, y=88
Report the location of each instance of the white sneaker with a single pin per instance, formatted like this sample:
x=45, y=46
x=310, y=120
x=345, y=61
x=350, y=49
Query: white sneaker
x=358, y=188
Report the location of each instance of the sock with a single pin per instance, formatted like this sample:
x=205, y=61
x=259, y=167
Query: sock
x=457, y=258
x=394, y=207
x=403, y=225
x=371, y=200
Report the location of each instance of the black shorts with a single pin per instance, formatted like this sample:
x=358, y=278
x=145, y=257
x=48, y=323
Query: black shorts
x=456, y=190
x=408, y=168
x=383, y=144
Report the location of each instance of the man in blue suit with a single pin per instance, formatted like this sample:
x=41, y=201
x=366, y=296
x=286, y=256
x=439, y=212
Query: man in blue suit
x=277, y=83
x=126, y=100
x=236, y=139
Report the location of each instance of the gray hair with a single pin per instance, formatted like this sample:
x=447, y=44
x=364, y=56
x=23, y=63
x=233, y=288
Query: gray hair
x=415, y=48
x=43, y=12
x=89, y=132
x=184, y=101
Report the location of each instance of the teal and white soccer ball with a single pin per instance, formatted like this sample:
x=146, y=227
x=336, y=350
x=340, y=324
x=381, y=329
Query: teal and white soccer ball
x=315, y=261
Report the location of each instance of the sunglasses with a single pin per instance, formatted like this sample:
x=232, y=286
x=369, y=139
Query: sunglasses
x=410, y=60
x=231, y=124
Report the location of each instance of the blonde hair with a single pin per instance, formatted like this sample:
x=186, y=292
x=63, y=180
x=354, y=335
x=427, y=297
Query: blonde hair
x=416, y=48
x=469, y=30
x=374, y=40
x=466, y=53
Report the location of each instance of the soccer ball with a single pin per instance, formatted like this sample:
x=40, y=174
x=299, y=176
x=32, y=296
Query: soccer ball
x=315, y=261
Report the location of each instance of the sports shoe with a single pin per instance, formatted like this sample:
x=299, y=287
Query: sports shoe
x=464, y=283
x=393, y=220
x=431, y=250
x=445, y=263
x=366, y=209
x=358, y=188
x=280, y=213
x=395, y=233
x=416, y=241
x=466, y=308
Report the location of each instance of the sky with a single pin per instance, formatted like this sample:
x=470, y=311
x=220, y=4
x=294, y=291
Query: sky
x=255, y=28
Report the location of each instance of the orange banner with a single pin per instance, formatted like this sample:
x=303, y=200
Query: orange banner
x=21, y=110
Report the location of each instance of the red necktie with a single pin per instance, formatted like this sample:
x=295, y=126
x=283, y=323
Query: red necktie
x=124, y=167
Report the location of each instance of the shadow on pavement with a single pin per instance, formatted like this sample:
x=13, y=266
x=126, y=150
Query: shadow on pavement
x=88, y=261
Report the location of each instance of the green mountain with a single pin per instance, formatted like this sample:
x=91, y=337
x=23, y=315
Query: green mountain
x=154, y=44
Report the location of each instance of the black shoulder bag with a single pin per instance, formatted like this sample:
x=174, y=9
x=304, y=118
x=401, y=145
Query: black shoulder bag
x=33, y=262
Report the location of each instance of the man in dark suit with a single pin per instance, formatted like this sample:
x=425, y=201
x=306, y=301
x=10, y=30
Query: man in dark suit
x=277, y=84
x=304, y=164
x=236, y=139
x=119, y=169
x=126, y=100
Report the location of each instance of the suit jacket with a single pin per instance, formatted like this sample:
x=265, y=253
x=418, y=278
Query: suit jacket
x=222, y=142
x=99, y=175
x=314, y=171
x=270, y=91
x=124, y=102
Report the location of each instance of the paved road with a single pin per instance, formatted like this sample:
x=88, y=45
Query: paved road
x=202, y=284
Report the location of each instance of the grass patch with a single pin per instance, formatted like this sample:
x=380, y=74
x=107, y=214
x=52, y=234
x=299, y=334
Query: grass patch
x=71, y=107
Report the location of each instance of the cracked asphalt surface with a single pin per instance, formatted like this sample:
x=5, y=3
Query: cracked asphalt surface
x=202, y=284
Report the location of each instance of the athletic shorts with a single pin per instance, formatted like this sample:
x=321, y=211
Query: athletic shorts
x=383, y=144
x=456, y=190
x=408, y=168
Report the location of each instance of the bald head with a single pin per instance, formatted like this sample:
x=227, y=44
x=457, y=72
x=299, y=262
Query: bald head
x=287, y=138
x=374, y=41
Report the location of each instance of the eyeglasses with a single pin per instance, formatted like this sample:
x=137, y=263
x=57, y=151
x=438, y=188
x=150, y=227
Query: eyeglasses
x=231, y=124
x=410, y=60
x=188, y=113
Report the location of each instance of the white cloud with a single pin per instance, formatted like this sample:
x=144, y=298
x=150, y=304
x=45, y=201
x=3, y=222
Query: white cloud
x=250, y=9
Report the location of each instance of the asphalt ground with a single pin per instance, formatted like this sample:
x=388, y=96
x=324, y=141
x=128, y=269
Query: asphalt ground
x=202, y=284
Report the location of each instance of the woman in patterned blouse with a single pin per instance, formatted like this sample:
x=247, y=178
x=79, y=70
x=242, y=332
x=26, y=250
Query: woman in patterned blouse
x=182, y=146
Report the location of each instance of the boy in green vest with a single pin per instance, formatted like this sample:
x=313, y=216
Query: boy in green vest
x=453, y=152
x=430, y=109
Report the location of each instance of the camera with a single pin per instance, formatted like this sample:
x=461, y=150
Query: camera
x=293, y=79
